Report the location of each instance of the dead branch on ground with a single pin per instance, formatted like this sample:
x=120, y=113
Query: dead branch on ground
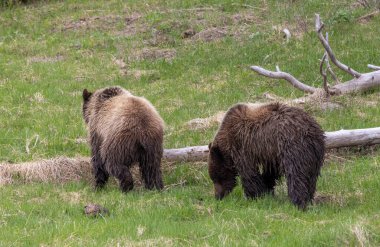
x=359, y=83
x=63, y=169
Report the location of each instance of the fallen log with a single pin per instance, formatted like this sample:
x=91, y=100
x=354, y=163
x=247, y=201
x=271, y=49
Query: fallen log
x=334, y=139
x=64, y=169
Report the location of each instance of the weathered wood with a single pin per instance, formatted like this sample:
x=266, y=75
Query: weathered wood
x=196, y=153
x=318, y=28
x=283, y=75
x=356, y=137
x=360, y=83
x=374, y=67
x=335, y=139
x=63, y=169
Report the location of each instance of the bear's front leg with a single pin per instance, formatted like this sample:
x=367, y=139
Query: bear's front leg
x=253, y=185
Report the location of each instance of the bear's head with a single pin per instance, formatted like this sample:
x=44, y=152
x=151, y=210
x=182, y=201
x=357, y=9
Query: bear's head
x=99, y=97
x=222, y=171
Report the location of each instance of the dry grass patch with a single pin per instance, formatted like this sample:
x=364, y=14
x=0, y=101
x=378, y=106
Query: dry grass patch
x=45, y=59
x=153, y=242
x=360, y=234
x=324, y=198
x=138, y=74
x=205, y=123
x=63, y=170
x=57, y=170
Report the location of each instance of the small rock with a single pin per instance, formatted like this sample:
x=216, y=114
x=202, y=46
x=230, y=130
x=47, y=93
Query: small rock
x=95, y=210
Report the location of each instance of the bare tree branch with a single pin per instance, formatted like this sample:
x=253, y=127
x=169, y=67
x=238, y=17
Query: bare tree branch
x=360, y=83
x=374, y=67
x=318, y=27
x=329, y=69
x=324, y=75
x=283, y=75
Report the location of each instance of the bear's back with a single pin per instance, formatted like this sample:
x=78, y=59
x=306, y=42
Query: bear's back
x=127, y=115
x=267, y=129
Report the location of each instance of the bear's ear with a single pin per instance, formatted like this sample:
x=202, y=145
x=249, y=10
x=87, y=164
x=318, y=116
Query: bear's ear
x=86, y=95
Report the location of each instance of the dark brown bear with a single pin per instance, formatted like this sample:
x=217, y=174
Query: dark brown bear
x=123, y=129
x=262, y=143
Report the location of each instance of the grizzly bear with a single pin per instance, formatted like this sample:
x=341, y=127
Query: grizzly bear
x=123, y=129
x=262, y=143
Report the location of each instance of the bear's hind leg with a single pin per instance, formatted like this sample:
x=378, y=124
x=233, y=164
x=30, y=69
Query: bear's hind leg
x=301, y=178
x=99, y=171
x=150, y=168
x=122, y=173
x=298, y=191
x=126, y=180
x=101, y=176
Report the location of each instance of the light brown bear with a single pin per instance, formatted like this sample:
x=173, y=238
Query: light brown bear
x=123, y=129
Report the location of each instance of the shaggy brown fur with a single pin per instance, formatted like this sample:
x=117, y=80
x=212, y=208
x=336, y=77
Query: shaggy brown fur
x=260, y=144
x=123, y=129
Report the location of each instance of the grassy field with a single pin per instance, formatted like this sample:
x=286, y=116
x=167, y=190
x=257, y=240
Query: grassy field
x=50, y=52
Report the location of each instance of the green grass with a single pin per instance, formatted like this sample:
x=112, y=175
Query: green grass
x=50, y=51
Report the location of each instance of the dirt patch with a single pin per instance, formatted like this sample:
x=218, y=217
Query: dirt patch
x=211, y=34
x=93, y=22
x=154, y=54
x=132, y=26
x=245, y=18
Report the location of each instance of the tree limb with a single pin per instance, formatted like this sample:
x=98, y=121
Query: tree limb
x=318, y=28
x=329, y=69
x=356, y=137
x=365, y=82
x=374, y=67
x=283, y=75
x=324, y=75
